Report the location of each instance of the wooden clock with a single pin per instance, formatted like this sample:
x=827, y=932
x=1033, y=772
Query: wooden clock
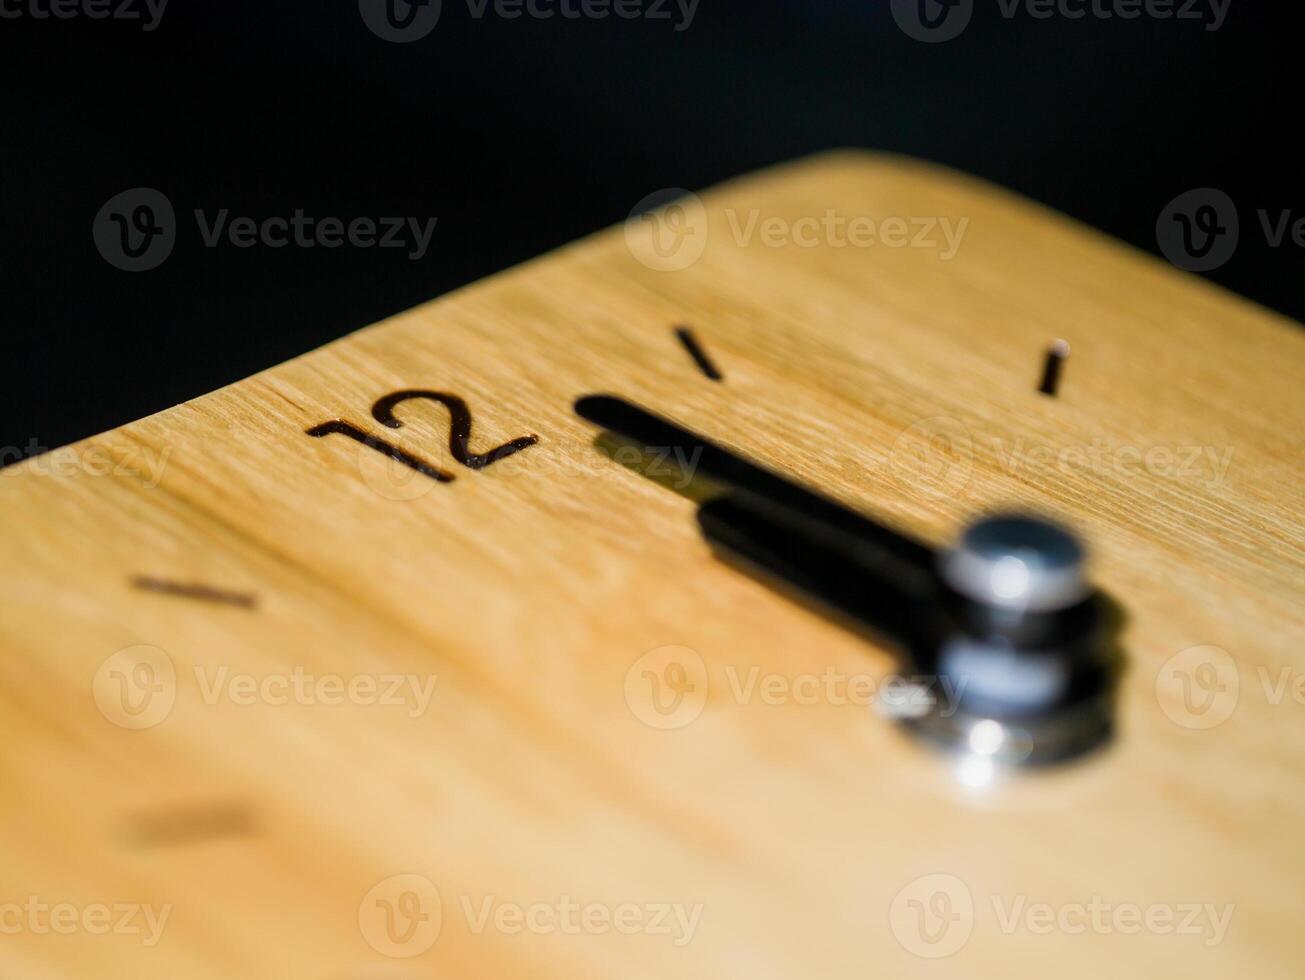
x=586, y=622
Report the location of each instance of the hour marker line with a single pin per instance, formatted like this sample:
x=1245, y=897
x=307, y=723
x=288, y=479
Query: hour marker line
x=186, y=590
x=1051, y=369
x=186, y=825
x=700, y=356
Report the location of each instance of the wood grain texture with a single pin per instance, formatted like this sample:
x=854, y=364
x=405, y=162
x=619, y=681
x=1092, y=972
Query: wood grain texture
x=903, y=383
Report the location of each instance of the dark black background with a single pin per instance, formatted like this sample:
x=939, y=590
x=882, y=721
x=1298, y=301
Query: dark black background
x=521, y=135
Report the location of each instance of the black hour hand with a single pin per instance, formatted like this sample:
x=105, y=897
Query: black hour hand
x=863, y=569
x=1005, y=619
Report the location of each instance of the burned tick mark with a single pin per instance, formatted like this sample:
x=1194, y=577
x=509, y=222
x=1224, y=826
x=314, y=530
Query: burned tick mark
x=1051, y=368
x=700, y=356
x=194, y=590
x=174, y=826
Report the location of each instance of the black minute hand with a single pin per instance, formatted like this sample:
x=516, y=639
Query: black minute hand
x=881, y=577
x=1004, y=619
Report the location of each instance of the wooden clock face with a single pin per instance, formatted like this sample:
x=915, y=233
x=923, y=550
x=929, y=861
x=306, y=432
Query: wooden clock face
x=385, y=663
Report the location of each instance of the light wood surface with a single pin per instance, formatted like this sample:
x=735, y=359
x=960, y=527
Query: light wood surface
x=530, y=593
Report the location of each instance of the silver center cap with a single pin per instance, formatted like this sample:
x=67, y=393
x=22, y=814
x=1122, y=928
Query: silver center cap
x=1017, y=563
